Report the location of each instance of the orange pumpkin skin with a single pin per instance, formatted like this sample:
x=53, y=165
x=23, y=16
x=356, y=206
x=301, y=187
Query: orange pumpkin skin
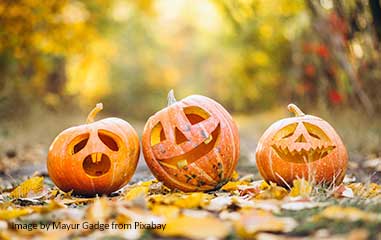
x=94, y=158
x=192, y=145
x=304, y=146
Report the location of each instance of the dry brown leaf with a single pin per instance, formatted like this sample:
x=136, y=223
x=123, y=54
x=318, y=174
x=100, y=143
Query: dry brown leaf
x=343, y=191
x=195, y=228
x=28, y=188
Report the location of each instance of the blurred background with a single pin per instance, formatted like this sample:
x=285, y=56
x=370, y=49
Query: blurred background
x=59, y=58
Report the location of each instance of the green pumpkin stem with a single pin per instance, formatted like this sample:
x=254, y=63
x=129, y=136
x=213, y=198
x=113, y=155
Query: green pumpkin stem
x=94, y=112
x=171, y=98
x=295, y=110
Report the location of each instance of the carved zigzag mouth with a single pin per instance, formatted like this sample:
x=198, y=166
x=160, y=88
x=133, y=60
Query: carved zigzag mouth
x=302, y=153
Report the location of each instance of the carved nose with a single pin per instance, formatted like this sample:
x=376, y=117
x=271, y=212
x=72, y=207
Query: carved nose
x=300, y=139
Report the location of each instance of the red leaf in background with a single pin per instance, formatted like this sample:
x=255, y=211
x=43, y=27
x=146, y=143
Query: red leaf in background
x=335, y=97
x=338, y=24
x=310, y=70
x=322, y=51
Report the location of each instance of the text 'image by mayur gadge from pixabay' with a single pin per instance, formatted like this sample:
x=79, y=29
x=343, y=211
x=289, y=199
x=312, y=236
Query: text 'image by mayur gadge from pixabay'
x=86, y=226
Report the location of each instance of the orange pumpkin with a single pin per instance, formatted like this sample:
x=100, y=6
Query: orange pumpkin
x=191, y=145
x=303, y=146
x=95, y=158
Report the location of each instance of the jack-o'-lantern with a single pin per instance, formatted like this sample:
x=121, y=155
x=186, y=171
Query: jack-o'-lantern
x=303, y=146
x=191, y=145
x=95, y=158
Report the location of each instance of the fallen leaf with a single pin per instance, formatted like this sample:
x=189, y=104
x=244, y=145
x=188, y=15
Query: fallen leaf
x=219, y=203
x=195, y=228
x=7, y=214
x=136, y=192
x=347, y=214
x=33, y=185
x=301, y=188
x=253, y=221
x=271, y=191
x=365, y=190
x=343, y=191
x=166, y=211
x=300, y=205
x=232, y=186
x=182, y=200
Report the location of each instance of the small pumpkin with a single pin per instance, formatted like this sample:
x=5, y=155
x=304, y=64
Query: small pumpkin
x=95, y=158
x=303, y=146
x=191, y=145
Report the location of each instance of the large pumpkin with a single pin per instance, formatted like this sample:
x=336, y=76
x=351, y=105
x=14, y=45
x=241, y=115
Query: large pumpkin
x=191, y=145
x=95, y=158
x=303, y=146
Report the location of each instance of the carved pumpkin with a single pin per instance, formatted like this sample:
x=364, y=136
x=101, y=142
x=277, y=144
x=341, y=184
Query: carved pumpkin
x=303, y=146
x=192, y=145
x=95, y=158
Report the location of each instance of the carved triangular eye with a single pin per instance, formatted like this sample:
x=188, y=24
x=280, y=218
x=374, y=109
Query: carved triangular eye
x=78, y=143
x=195, y=114
x=316, y=132
x=108, y=140
x=286, y=131
x=157, y=134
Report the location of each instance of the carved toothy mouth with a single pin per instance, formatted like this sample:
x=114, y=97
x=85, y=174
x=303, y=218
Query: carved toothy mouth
x=196, y=153
x=96, y=164
x=302, y=154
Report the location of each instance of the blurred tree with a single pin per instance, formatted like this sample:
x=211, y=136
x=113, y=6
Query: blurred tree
x=350, y=62
x=36, y=41
x=263, y=32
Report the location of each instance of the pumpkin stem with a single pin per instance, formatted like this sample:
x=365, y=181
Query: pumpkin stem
x=171, y=98
x=295, y=110
x=93, y=113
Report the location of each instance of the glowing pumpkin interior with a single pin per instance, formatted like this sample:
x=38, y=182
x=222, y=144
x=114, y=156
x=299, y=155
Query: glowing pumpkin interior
x=302, y=142
x=195, y=115
x=95, y=164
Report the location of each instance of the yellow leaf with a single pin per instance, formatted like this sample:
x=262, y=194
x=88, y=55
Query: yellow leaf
x=136, y=192
x=195, y=228
x=47, y=208
x=33, y=185
x=301, y=188
x=366, y=191
x=165, y=211
x=235, y=176
x=6, y=214
x=182, y=200
x=232, y=186
x=271, y=191
x=347, y=214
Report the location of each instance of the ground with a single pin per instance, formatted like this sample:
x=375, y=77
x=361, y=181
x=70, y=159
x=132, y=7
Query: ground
x=246, y=207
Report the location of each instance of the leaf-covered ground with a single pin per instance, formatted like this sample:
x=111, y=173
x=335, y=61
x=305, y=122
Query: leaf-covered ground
x=247, y=207
x=243, y=208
